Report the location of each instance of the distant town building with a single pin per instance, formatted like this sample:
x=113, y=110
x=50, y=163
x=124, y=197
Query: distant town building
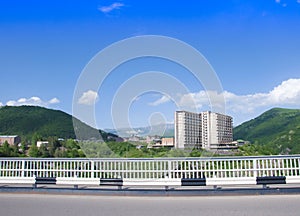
x=40, y=143
x=133, y=138
x=163, y=142
x=167, y=141
x=140, y=146
x=207, y=130
x=152, y=139
x=239, y=142
x=10, y=139
x=156, y=143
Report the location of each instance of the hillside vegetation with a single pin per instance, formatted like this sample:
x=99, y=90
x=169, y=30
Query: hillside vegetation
x=28, y=120
x=277, y=130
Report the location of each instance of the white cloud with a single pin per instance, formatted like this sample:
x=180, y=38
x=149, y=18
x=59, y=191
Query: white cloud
x=88, y=98
x=33, y=101
x=163, y=99
x=277, y=1
x=287, y=94
x=108, y=9
x=201, y=99
x=298, y=1
x=54, y=101
x=194, y=100
x=1, y=104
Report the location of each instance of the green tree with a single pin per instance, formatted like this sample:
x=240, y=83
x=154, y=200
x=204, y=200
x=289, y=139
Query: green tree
x=35, y=137
x=34, y=151
x=60, y=153
x=71, y=144
x=43, y=151
x=15, y=151
x=5, y=150
x=23, y=148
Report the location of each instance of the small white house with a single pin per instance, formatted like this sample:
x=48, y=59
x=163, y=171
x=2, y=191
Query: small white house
x=39, y=143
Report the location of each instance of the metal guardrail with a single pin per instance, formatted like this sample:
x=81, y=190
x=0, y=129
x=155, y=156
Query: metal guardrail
x=154, y=171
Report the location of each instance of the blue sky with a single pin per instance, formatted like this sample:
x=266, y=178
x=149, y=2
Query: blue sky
x=253, y=46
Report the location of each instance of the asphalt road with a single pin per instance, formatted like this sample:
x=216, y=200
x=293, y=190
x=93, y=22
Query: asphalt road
x=85, y=205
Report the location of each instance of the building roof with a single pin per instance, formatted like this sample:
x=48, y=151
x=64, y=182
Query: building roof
x=8, y=136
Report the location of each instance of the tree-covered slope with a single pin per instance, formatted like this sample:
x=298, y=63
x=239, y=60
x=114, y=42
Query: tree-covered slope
x=278, y=128
x=27, y=120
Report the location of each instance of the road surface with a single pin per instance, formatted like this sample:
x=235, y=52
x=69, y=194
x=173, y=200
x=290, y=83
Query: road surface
x=85, y=205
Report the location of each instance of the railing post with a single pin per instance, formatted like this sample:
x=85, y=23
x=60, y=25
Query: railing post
x=92, y=169
x=23, y=168
x=169, y=169
x=255, y=168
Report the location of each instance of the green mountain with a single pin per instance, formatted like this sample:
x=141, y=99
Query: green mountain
x=278, y=129
x=27, y=120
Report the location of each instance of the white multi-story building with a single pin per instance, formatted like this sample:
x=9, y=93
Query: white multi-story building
x=206, y=130
x=187, y=129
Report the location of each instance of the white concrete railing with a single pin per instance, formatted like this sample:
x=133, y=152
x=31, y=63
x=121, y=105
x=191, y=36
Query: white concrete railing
x=166, y=172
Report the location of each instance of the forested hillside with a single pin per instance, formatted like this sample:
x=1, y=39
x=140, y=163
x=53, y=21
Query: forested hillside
x=277, y=129
x=28, y=120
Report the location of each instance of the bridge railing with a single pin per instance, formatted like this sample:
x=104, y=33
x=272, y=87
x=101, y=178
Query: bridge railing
x=153, y=171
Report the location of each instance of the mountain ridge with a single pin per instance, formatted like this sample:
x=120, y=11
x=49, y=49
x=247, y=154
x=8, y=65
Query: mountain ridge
x=277, y=128
x=144, y=131
x=27, y=120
